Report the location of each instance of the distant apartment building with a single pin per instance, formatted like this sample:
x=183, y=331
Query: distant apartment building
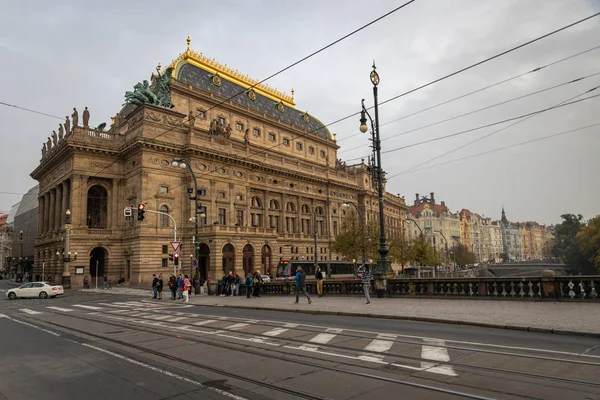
x=438, y=224
x=511, y=238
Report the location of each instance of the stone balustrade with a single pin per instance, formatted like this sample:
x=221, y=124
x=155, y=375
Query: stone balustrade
x=582, y=288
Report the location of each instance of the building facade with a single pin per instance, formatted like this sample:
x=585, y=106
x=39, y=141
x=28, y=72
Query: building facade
x=25, y=232
x=511, y=239
x=267, y=175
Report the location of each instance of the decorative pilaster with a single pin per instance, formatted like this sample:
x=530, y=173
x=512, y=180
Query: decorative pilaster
x=52, y=211
x=58, y=215
x=41, y=212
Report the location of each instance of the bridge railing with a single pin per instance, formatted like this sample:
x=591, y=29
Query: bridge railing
x=575, y=288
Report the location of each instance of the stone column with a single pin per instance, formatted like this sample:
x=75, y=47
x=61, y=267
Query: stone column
x=52, y=213
x=232, y=198
x=66, y=275
x=41, y=211
x=65, y=202
x=58, y=214
x=211, y=215
x=46, y=217
x=114, y=197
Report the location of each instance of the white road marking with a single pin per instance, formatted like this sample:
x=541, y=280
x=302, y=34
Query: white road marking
x=177, y=319
x=164, y=372
x=30, y=325
x=322, y=338
x=439, y=354
x=87, y=307
x=60, y=309
x=236, y=326
x=28, y=311
x=205, y=322
x=159, y=317
x=380, y=345
x=275, y=332
x=288, y=325
x=3, y=316
x=2, y=290
x=334, y=330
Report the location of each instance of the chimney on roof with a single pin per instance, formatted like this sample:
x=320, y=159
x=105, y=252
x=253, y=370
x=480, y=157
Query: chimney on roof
x=416, y=198
x=443, y=204
x=432, y=198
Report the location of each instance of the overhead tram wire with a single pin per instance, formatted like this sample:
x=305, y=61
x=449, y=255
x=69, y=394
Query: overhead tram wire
x=469, y=67
x=498, y=149
x=481, y=109
x=481, y=89
x=30, y=110
x=186, y=119
x=482, y=126
x=488, y=135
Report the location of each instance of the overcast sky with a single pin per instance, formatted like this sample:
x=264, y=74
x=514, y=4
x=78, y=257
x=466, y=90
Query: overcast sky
x=56, y=55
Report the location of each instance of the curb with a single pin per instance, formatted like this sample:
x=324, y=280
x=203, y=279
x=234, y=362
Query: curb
x=417, y=319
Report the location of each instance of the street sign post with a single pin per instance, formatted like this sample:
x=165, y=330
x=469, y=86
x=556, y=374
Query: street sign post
x=176, y=247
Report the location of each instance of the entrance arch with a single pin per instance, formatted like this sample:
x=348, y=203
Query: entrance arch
x=203, y=260
x=228, y=258
x=265, y=256
x=98, y=257
x=248, y=259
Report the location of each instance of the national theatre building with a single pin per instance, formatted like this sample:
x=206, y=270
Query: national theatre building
x=265, y=173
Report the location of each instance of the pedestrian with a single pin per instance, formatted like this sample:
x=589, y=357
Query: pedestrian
x=208, y=286
x=319, y=278
x=237, y=283
x=257, y=284
x=224, y=285
x=105, y=282
x=187, y=286
x=366, y=281
x=154, y=286
x=301, y=284
x=159, y=287
x=173, y=286
x=249, y=283
x=179, y=283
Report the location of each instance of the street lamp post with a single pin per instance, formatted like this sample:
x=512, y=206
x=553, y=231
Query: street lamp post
x=445, y=243
x=184, y=163
x=362, y=229
x=383, y=270
x=66, y=275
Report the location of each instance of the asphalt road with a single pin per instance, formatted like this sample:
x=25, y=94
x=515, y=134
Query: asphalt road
x=109, y=346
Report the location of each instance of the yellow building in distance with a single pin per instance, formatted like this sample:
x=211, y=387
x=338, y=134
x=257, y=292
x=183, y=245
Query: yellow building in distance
x=265, y=171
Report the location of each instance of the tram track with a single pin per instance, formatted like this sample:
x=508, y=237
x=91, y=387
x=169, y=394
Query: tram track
x=255, y=351
x=261, y=351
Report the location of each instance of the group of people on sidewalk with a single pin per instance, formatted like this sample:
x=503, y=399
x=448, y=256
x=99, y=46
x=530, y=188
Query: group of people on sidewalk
x=301, y=282
x=231, y=284
x=180, y=287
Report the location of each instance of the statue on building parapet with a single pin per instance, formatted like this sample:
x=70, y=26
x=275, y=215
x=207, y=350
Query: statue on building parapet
x=61, y=132
x=75, y=117
x=228, y=131
x=44, y=151
x=157, y=93
x=54, y=139
x=49, y=144
x=67, y=126
x=247, y=137
x=213, y=127
x=86, y=118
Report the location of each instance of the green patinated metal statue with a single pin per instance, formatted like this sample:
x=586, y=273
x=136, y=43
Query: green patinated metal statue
x=159, y=93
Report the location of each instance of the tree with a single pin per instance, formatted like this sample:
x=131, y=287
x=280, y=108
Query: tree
x=567, y=247
x=464, y=256
x=588, y=238
x=400, y=250
x=423, y=253
x=350, y=241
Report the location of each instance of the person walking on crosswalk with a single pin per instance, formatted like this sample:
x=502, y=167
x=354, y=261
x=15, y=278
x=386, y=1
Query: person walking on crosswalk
x=187, y=286
x=301, y=284
x=366, y=281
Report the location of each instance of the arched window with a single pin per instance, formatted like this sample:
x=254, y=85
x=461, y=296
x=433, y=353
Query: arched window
x=256, y=202
x=319, y=210
x=97, y=207
x=290, y=207
x=164, y=219
x=305, y=209
x=274, y=205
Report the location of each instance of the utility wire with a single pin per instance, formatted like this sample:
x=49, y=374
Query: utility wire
x=498, y=149
x=481, y=89
x=481, y=109
x=469, y=67
x=488, y=135
x=29, y=110
x=482, y=126
x=279, y=72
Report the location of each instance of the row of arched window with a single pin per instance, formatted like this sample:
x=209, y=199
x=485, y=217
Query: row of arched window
x=289, y=207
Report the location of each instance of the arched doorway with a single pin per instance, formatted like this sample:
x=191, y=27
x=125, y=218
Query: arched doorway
x=228, y=258
x=265, y=256
x=98, y=259
x=248, y=259
x=97, y=207
x=203, y=260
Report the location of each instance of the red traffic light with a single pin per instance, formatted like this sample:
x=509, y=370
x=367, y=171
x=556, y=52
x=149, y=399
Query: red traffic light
x=141, y=207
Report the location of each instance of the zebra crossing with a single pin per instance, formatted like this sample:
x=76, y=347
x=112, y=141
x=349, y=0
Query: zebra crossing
x=379, y=348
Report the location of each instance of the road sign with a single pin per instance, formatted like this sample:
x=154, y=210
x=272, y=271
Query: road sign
x=176, y=247
x=127, y=212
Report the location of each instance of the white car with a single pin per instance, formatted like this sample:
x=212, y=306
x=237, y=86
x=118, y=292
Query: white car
x=265, y=278
x=42, y=290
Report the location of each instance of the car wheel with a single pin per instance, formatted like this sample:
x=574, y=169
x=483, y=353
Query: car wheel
x=12, y=296
x=43, y=295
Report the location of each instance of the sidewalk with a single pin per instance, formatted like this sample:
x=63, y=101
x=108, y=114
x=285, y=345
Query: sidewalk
x=559, y=317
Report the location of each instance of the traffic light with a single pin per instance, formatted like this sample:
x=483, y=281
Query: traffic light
x=170, y=257
x=141, y=211
x=176, y=256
